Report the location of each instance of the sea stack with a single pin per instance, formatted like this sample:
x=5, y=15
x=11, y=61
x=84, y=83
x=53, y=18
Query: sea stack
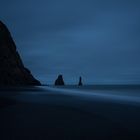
x=59, y=81
x=80, y=81
x=12, y=70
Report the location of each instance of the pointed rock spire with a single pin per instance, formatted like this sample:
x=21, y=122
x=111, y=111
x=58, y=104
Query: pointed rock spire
x=80, y=81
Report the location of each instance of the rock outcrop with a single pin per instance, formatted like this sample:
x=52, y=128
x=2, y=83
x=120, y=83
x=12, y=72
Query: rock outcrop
x=80, y=82
x=12, y=70
x=59, y=81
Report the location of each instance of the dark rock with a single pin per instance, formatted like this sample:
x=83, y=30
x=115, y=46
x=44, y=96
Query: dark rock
x=12, y=70
x=59, y=81
x=80, y=82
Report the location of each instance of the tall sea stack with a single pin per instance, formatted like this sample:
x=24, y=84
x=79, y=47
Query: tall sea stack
x=12, y=70
x=80, y=81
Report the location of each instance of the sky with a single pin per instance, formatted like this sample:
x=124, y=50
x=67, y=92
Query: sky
x=96, y=39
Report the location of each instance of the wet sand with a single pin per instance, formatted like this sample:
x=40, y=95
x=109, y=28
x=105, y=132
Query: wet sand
x=55, y=113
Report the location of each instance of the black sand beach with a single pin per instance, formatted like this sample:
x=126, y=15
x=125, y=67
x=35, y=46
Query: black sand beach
x=69, y=113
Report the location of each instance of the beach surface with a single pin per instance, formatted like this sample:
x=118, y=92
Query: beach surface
x=69, y=113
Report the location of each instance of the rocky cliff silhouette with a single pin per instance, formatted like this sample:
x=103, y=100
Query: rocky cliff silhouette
x=12, y=70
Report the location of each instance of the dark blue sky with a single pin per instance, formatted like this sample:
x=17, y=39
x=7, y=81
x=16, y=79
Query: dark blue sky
x=98, y=39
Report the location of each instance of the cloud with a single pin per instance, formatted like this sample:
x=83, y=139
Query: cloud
x=97, y=39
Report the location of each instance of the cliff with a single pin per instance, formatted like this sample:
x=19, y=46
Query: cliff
x=12, y=70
